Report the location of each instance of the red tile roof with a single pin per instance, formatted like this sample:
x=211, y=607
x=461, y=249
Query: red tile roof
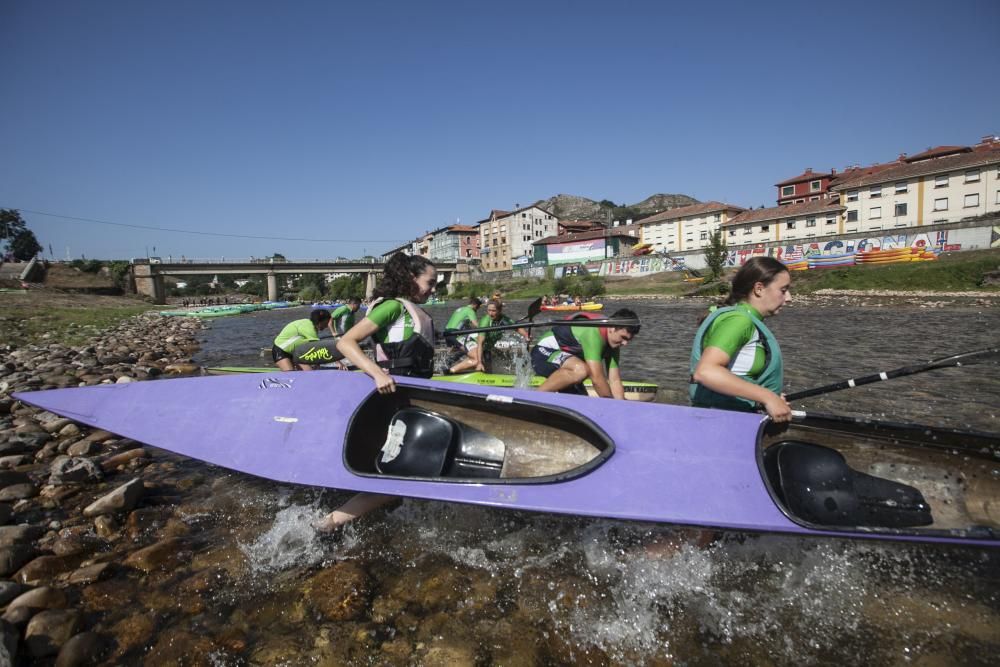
x=496, y=213
x=621, y=231
x=692, y=210
x=802, y=209
x=899, y=171
x=937, y=151
x=807, y=175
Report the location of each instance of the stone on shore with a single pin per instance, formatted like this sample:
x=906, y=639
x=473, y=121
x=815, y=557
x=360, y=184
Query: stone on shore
x=85, y=648
x=48, y=630
x=74, y=469
x=122, y=499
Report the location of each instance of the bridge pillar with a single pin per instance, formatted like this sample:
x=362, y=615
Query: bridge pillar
x=149, y=283
x=369, y=284
x=272, y=287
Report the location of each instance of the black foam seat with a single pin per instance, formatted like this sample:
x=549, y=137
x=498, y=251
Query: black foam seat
x=422, y=443
x=816, y=484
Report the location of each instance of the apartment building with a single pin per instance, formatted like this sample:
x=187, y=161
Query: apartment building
x=505, y=236
x=940, y=185
x=454, y=243
x=685, y=227
x=807, y=186
x=787, y=222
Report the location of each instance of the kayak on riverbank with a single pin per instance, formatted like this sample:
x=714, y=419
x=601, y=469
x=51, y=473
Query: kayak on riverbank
x=824, y=475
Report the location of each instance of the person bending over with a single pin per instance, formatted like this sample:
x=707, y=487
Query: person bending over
x=465, y=345
x=343, y=316
x=567, y=355
x=298, y=332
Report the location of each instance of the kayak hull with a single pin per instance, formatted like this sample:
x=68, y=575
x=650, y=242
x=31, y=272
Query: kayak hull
x=652, y=462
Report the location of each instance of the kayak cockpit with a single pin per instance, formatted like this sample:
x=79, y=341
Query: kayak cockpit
x=840, y=474
x=455, y=436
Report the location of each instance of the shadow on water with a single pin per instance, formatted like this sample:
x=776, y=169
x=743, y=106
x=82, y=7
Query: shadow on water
x=426, y=582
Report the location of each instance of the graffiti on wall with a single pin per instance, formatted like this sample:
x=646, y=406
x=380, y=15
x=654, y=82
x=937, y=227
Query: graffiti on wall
x=639, y=265
x=799, y=251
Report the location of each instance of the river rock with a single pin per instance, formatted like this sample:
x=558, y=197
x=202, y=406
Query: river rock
x=106, y=527
x=73, y=469
x=91, y=573
x=163, y=555
x=14, y=557
x=9, y=590
x=69, y=431
x=122, y=499
x=47, y=568
x=124, y=379
x=338, y=593
x=83, y=448
x=11, y=477
x=12, y=461
x=54, y=425
x=48, y=630
x=182, y=368
x=113, y=462
x=36, y=599
x=80, y=650
x=21, y=533
x=132, y=632
x=18, y=492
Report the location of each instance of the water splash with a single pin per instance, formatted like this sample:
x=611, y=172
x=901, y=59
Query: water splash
x=291, y=541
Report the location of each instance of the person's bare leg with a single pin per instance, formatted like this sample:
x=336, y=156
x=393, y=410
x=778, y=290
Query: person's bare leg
x=572, y=372
x=285, y=364
x=306, y=367
x=469, y=363
x=358, y=505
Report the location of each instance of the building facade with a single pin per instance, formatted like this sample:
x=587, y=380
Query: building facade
x=508, y=236
x=807, y=186
x=788, y=222
x=456, y=243
x=585, y=247
x=685, y=227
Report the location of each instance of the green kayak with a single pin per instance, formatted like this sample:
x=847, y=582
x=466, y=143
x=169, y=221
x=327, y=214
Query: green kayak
x=634, y=391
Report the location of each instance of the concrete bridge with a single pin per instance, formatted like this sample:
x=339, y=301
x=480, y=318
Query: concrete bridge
x=147, y=275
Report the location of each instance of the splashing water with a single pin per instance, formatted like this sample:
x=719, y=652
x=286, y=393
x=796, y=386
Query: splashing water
x=291, y=541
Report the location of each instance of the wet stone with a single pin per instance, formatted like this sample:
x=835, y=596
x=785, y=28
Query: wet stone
x=23, y=533
x=47, y=568
x=83, y=448
x=14, y=557
x=54, y=425
x=11, y=477
x=9, y=590
x=9, y=637
x=48, y=630
x=122, y=499
x=91, y=573
x=338, y=593
x=133, y=632
x=164, y=555
x=83, y=649
x=74, y=469
x=18, y=492
x=12, y=461
x=106, y=527
x=36, y=599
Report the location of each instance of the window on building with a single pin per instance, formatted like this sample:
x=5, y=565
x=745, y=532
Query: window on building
x=790, y=224
x=831, y=221
x=875, y=191
x=875, y=212
x=787, y=190
x=900, y=210
x=747, y=230
x=941, y=181
x=815, y=186
x=852, y=195
x=524, y=215
x=901, y=188
x=814, y=199
x=732, y=232
x=972, y=176
x=703, y=236
x=941, y=204
x=765, y=228
x=852, y=216
x=971, y=201
x=811, y=222
x=717, y=217
x=998, y=197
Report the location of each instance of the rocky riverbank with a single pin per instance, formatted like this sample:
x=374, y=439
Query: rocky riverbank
x=75, y=502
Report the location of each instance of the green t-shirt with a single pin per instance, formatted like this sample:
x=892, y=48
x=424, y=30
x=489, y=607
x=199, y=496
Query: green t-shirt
x=734, y=333
x=393, y=320
x=490, y=338
x=461, y=316
x=343, y=318
x=592, y=345
x=295, y=333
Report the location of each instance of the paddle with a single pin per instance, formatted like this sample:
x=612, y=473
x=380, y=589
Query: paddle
x=962, y=359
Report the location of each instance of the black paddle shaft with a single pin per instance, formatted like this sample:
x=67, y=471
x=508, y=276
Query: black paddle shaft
x=622, y=322
x=945, y=362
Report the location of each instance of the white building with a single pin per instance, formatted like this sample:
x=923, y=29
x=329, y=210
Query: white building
x=505, y=236
x=685, y=227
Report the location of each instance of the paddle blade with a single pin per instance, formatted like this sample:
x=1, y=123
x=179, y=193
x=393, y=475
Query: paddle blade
x=534, y=308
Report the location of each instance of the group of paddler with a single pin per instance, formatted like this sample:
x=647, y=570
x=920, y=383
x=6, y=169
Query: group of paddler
x=735, y=359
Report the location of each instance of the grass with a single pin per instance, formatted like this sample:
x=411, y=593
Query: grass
x=69, y=325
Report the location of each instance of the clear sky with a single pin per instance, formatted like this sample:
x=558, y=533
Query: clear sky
x=361, y=125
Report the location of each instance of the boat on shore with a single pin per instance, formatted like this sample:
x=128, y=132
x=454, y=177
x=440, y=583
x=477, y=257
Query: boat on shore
x=634, y=391
x=569, y=307
x=823, y=475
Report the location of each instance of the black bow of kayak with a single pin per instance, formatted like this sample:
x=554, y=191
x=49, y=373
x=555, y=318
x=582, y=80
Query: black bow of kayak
x=963, y=359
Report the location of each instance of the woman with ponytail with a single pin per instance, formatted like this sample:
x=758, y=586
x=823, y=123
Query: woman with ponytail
x=735, y=359
x=404, y=345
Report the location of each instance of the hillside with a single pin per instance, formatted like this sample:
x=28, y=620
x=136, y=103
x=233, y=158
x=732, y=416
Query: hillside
x=572, y=207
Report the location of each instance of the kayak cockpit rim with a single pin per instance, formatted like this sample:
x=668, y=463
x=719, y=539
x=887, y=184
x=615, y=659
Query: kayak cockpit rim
x=513, y=441
x=841, y=491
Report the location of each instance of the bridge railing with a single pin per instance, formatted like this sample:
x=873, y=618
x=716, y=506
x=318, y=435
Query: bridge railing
x=169, y=259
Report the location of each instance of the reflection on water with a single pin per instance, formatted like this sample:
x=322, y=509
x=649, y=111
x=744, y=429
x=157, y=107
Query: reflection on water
x=451, y=584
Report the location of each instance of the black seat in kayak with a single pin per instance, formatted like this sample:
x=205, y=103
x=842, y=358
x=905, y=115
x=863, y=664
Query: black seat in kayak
x=817, y=485
x=421, y=443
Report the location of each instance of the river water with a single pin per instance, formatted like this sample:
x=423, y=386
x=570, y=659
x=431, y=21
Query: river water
x=451, y=584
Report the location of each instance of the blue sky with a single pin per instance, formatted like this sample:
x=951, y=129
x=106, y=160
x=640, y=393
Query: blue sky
x=361, y=125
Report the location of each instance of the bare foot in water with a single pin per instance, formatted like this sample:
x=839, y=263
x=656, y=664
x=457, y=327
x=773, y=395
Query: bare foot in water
x=358, y=505
x=667, y=546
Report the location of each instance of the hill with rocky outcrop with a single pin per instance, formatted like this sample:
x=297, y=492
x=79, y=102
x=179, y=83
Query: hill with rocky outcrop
x=572, y=207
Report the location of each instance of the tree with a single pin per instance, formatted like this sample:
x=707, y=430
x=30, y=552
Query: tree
x=24, y=245
x=715, y=254
x=11, y=224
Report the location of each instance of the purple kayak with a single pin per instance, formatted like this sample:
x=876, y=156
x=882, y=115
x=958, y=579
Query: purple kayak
x=525, y=450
